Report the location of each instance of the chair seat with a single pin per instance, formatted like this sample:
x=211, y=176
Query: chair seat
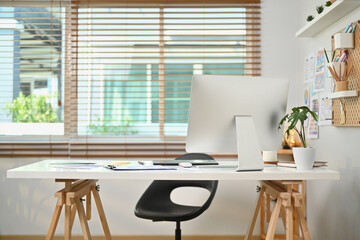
x=171, y=212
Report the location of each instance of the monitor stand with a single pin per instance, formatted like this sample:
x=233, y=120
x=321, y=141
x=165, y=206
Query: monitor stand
x=249, y=152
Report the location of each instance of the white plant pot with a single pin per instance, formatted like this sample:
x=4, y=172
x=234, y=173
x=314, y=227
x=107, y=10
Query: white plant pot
x=304, y=157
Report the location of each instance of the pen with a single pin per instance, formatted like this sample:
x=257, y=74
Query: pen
x=327, y=59
x=347, y=27
x=333, y=56
x=353, y=30
x=343, y=54
x=342, y=58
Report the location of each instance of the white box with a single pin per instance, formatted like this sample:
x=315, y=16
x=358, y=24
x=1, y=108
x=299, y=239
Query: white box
x=344, y=41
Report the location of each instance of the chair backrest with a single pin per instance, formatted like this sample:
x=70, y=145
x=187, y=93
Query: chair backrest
x=160, y=190
x=211, y=186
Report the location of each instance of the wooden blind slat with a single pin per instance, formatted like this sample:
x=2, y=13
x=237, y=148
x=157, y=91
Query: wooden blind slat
x=166, y=2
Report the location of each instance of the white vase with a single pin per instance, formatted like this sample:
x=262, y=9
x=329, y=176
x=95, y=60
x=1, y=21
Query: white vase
x=304, y=157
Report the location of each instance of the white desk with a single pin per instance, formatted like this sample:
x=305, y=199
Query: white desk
x=44, y=170
x=276, y=181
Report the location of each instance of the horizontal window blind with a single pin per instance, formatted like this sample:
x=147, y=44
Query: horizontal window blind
x=61, y=148
x=135, y=61
x=124, y=68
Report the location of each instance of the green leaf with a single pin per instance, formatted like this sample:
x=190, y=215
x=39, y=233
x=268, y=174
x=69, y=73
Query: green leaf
x=298, y=116
x=282, y=121
x=32, y=109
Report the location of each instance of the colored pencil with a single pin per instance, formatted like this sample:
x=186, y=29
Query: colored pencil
x=353, y=30
x=340, y=72
x=327, y=59
x=336, y=76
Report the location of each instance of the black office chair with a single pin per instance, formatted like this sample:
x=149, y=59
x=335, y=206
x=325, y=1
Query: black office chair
x=155, y=203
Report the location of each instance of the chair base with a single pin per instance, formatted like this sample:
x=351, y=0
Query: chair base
x=177, y=231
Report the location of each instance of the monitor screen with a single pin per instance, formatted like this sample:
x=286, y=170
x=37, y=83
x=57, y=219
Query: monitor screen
x=216, y=100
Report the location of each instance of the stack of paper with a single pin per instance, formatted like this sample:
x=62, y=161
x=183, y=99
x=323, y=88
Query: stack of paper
x=292, y=164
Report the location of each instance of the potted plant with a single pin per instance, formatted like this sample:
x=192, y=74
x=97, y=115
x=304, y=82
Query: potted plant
x=303, y=156
x=328, y=3
x=319, y=9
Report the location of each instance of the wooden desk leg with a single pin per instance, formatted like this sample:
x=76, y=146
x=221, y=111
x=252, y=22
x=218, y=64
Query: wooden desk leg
x=88, y=206
x=303, y=226
x=295, y=221
x=289, y=223
x=289, y=208
x=67, y=229
x=265, y=214
x=288, y=198
x=55, y=218
x=54, y=222
x=101, y=213
x=268, y=212
x=70, y=212
x=70, y=197
x=298, y=207
x=83, y=220
x=73, y=214
x=67, y=222
x=257, y=208
x=283, y=216
x=262, y=216
x=273, y=220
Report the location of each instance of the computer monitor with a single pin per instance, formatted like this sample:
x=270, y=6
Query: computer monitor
x=236, y=115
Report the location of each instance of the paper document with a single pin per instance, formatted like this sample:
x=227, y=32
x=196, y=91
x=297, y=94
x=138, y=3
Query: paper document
x=75, y=165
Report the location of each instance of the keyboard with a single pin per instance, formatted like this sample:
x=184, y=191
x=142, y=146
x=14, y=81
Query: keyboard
x=192, y=161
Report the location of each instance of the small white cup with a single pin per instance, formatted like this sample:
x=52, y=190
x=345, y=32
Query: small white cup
x=270, y=156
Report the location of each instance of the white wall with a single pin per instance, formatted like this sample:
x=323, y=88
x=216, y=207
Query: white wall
x=26, y=205
x=279, y=23
x=333, y=206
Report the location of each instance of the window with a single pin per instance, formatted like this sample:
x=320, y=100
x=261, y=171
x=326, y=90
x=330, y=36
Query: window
x=117, y=74
x=31, y=60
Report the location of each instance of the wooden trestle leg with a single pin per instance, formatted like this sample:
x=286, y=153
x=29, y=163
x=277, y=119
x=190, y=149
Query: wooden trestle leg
x=71, y=197
x=288, y=206
x=257, y=208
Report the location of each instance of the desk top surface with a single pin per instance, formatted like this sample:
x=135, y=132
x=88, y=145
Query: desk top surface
x=46, y=170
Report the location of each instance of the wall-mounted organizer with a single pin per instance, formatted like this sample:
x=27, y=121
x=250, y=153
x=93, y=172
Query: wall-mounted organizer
x=344, y=40
x=346, y=104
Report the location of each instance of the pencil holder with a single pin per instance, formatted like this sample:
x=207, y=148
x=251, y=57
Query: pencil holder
x=336, y=66
x=344, y=41
x=342, y=86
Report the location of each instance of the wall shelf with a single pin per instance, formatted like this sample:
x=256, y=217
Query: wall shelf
x=341, y=94
x=330, y=15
